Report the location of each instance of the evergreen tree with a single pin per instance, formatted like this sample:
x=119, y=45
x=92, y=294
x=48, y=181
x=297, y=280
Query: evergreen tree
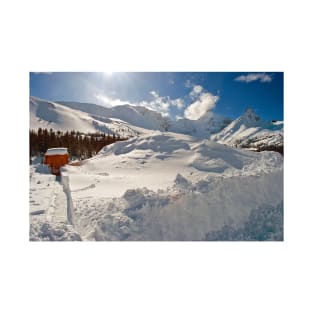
x=79, y=145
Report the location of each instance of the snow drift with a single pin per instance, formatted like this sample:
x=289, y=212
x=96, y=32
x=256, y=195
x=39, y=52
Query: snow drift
x=167, y=186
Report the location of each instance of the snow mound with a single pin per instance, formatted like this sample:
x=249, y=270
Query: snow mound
x=158, y=142
x=185, y=151
x=200, y=188
x=248, y=206
x=154, y=161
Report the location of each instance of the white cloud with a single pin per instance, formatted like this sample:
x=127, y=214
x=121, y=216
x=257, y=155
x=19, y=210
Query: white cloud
x=262, y=77
x=154, y=94
x=110, y=102
x=179, y=103
x=163, y=104
x=205, y=103
x=157, y=103
x=196, y=90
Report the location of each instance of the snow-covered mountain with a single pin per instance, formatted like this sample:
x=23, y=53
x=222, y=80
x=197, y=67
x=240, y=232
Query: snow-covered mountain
x=149, y=119
x=123, y=120
x=138, y=116
x=249, y=131
x=48, y=114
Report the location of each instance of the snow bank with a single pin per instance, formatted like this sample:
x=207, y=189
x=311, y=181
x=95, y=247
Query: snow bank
x=265, y=223
x=188, y=211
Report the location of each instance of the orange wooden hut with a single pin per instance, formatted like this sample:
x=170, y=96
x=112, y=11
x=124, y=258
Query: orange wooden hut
x=55, y=158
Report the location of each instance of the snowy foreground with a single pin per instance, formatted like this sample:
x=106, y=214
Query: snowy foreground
x=161, y=186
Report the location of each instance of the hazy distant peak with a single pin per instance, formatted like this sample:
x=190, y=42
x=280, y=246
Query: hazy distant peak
x=249, y=114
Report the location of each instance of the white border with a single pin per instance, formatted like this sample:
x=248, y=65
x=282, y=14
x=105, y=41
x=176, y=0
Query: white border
x=147, y=36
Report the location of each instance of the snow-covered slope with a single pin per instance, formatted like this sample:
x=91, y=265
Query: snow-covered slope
x=167, y=186
x=124, y=120
x=248, y=131
x=135, y=115
x=48, y=114
x=149, y=119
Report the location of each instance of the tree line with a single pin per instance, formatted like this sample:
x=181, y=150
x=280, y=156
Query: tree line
x=79, y=145
x=253, y=143
x=277, y=148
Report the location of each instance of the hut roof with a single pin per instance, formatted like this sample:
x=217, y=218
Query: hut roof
x=57, y=151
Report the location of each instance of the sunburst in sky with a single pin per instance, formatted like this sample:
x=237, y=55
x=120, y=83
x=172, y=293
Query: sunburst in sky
x=174, y=94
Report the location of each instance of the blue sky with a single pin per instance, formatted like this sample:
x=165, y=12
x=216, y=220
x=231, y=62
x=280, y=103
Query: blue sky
x=176, y=94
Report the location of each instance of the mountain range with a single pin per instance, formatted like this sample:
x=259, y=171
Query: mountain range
x=247, y=131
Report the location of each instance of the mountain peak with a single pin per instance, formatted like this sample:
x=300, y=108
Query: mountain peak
x=250, y=115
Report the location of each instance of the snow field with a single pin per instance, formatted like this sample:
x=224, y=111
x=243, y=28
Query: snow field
x=174, y=187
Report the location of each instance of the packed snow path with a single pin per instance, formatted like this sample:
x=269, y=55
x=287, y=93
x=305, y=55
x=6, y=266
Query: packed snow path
x=50, y=213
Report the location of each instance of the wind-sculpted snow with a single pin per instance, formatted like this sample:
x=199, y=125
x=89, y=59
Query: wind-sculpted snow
x=265, y=223
x=164, y=143
x=203, y=211
x=202, y=155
